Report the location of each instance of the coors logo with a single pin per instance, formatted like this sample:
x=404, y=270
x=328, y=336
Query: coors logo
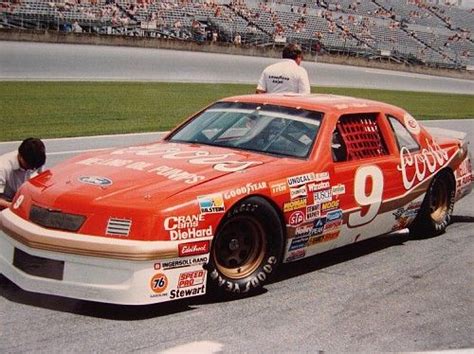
x=193, y=248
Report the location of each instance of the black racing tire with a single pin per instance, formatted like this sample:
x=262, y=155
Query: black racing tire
x=247, y=248
x=437, y=207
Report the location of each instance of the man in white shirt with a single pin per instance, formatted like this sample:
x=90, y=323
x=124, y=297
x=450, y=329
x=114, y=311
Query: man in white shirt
x=16, y=167
x=287, y=75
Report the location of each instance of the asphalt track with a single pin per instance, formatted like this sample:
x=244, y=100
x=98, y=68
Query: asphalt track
x=391, y=293
x=41, y=61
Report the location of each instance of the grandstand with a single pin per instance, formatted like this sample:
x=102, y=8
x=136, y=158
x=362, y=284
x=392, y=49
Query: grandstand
x=405, y=31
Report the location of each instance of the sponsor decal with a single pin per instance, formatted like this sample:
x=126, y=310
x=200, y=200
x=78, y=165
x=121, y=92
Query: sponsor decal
x=333, y=225
x=193, y=248
x=403, y=216
x=463, y=186
x=339, y=189
x=322, y=176
x=182, y=222
x=298, y=254
x=415, y=205
x=159, y=283
x=298, y=242
x=313, y=212
x=322, y=196
x=298, y=192
x=323, y=238
x=245, y=190
x=278, y=187
x=296, y=218
x=401, y=223
x=425, y=163
x=464, y=168
x=211, y=204
x=464, y=181
x=18, y=201
x=95, y=181
x=303, y=230
x=312, y=187
x=174, y=174
x=318, y=226
x=314, y=240
x=411, y=124
x=185, y=234
x=191, y=279
x=181, y=293
x=171, y=151
x=334, y=215
x=111, y=162
x=184, y=262
x=463, y=178
x=331, y=236
x=296, y=181
x=157, y=266
x=138, y=166
x=333, y=204
x=295, y=204
x=410, y=211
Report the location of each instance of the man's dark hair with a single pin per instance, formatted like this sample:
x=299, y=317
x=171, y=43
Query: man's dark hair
x=33, y=152
x=292, y=51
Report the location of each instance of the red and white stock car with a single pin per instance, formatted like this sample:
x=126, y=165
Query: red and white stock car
x=244, y=185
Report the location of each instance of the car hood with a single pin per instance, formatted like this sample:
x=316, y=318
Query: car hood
x=132, y=177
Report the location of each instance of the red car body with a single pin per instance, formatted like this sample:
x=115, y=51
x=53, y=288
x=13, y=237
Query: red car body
x=150, y=223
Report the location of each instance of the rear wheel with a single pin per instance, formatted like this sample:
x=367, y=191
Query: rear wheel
x=247, y=248
x=437, y=207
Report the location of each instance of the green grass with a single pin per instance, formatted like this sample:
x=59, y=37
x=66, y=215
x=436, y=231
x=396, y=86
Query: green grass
x=61, y=109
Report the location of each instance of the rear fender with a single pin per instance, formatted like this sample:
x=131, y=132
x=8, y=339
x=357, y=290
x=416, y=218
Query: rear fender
x=464, y=177
x=462, y=174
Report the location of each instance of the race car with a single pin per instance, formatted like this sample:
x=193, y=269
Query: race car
x=220, y=202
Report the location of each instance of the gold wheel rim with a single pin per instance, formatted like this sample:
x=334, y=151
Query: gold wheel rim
x=239, y=248
x=439, y=201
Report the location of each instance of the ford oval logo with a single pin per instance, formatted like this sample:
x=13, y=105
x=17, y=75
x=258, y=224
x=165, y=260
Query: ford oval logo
x=95, y=180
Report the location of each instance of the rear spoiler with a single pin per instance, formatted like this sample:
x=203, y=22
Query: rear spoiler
x=446, y=133
x=453, y=134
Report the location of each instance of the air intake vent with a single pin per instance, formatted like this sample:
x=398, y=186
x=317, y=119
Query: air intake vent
x=54, y=219
x=119, y=227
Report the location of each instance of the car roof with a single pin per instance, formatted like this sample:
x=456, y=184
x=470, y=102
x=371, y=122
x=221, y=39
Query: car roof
x=318, y=102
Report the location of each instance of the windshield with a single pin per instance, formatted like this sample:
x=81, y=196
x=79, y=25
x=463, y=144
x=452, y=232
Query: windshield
x=255, y=127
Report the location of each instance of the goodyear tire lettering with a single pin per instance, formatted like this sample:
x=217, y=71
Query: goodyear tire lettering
x=246, y=274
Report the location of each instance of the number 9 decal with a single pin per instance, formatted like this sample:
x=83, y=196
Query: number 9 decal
x=373, y=199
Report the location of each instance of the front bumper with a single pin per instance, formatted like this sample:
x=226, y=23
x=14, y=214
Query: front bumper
x=95, y=268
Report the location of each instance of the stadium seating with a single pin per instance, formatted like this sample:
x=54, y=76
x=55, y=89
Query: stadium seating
x=409, y=31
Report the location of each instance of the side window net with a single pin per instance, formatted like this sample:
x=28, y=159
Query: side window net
x=360, y=137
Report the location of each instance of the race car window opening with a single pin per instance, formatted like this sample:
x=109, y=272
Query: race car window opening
x=338, y=147
x=403, y=136
x=357, y=136
x=268, y=129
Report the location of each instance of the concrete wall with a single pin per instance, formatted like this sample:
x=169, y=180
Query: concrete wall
x=223, y=48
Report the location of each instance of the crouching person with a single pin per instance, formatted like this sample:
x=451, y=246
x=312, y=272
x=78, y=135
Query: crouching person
x=16, y=167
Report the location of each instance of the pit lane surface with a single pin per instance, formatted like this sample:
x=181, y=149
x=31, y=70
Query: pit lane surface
x=45, y=61
x=390, y=293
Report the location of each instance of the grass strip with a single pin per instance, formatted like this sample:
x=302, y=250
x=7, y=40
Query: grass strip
x=65, y=109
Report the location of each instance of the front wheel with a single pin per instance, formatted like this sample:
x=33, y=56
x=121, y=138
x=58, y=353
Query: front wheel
x=247, y=248
x=437, y=207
